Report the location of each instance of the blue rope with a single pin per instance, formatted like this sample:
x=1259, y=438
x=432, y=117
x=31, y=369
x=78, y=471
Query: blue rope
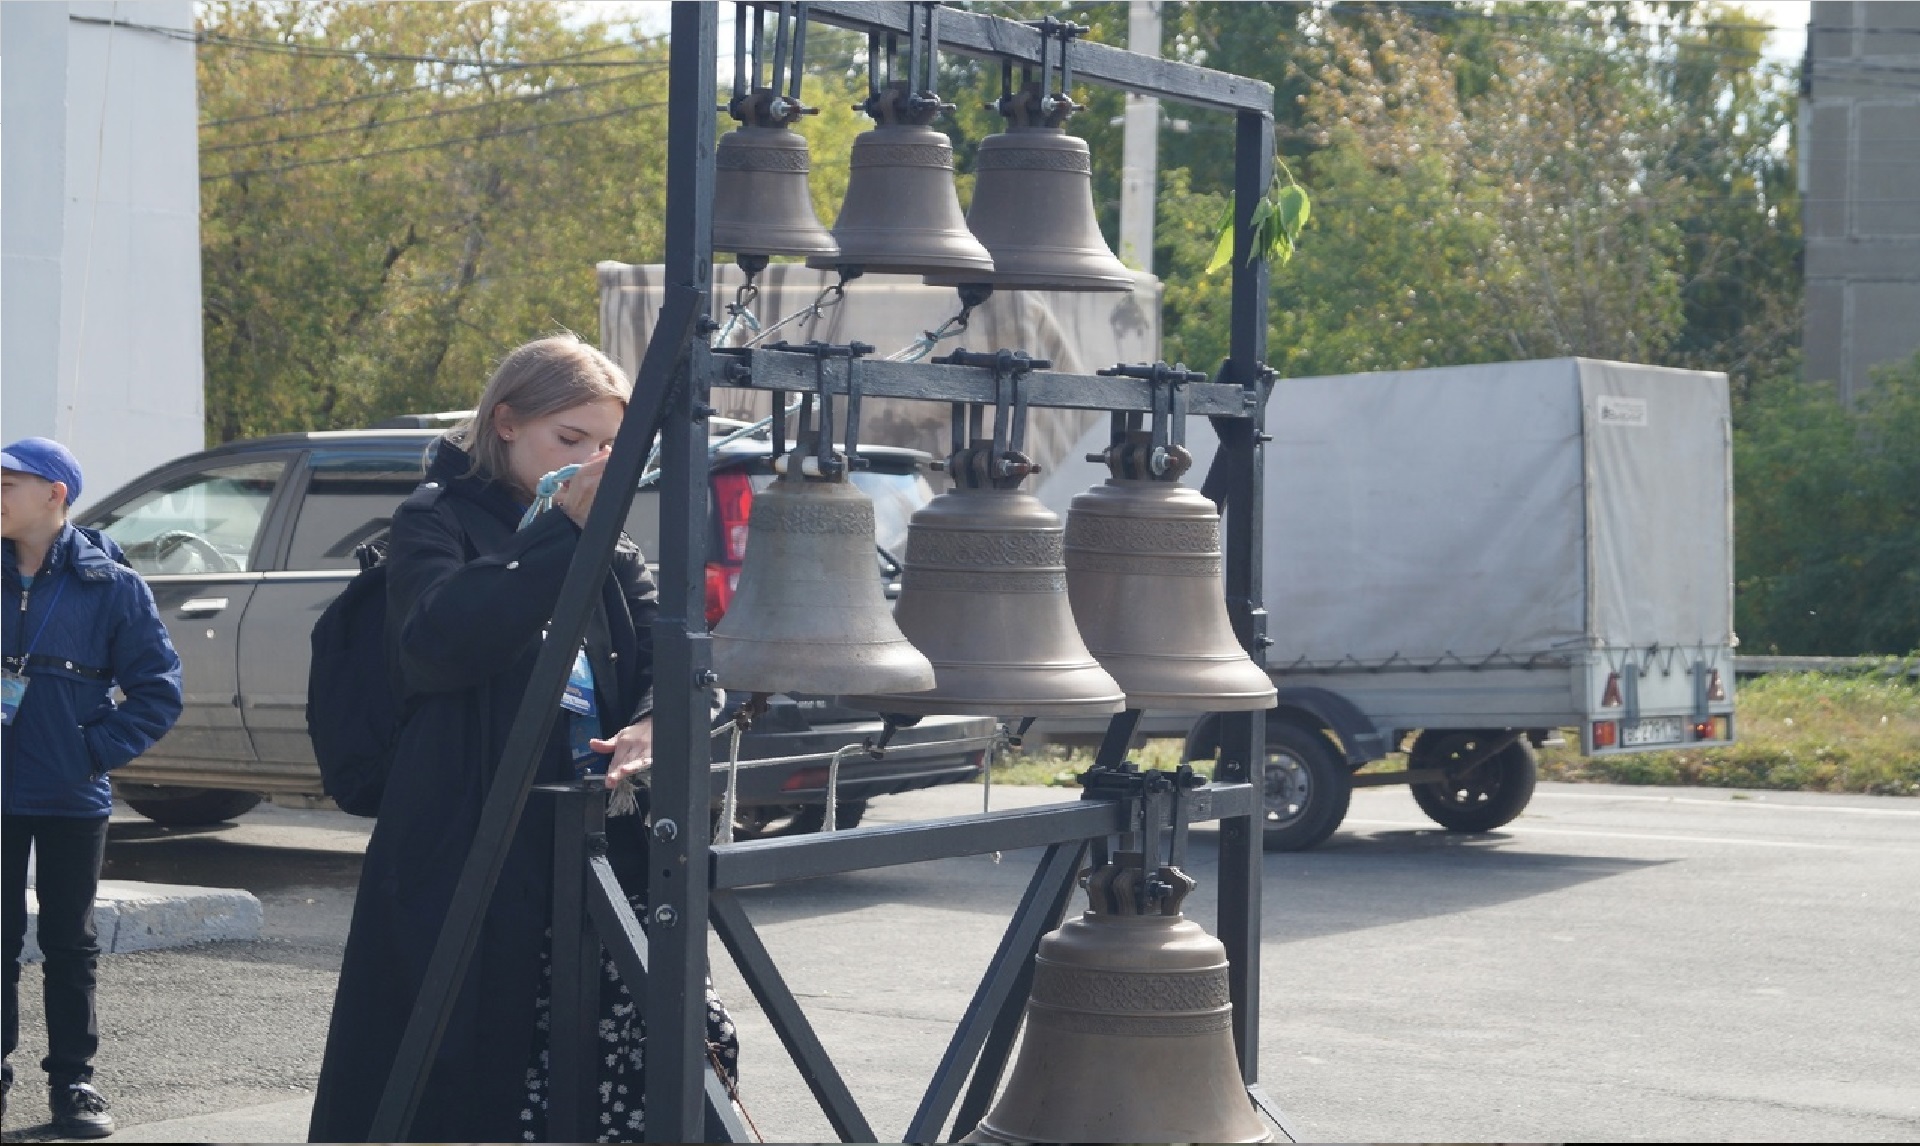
x=543, y=493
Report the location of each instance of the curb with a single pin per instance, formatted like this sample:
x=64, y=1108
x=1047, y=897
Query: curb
x=132, y=916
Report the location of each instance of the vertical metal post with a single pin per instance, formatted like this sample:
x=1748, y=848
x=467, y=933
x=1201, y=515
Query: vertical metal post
x=675, y=996
x=579, y=813
x=1243, y=735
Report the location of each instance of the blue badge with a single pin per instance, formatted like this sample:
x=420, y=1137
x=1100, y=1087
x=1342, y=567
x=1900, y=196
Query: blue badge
x=578, y=699
x=13, y=690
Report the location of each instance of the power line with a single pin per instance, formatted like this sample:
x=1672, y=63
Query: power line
x=532, y=97
x=482, y=137
x=362, y=98
x=218, y=40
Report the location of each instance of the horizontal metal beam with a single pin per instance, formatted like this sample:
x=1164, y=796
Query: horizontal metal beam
x=977, y=34
x=804, y=857
x=762, y=369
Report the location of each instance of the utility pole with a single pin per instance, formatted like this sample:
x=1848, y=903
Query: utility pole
x=1140, y=156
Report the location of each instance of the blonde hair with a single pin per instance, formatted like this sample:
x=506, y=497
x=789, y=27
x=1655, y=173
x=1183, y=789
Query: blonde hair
x=538, y=378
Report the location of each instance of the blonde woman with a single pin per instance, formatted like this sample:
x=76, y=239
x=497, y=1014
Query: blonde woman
x=470, y=591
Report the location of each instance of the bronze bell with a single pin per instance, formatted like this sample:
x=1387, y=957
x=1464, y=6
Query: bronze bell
x=1033, y=200
x=1033, y=211
x=984, y=595
x=1144, y=576
x=902, y=214
x=761, y=205
x=810, y=614
x=1128, y=1029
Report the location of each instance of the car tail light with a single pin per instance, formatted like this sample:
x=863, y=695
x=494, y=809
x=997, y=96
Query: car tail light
x=1610, y=696
x=1606, y=733
x=1712, y=728
x=733, y=501
x=803, y=778
x=721, y=582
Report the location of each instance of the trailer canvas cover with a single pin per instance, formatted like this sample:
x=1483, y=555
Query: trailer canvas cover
x=1498, y=514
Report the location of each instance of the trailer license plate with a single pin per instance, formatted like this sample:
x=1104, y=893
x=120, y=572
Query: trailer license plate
x=1652, y=730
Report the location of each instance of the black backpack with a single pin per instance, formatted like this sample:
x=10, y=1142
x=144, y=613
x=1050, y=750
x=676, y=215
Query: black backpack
x=354, y=707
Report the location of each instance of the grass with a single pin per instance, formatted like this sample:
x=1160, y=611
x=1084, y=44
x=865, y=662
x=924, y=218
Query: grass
x=1806, y=732
x=1798, y=732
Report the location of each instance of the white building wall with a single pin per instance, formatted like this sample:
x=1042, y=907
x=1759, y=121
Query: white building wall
x=122, y=330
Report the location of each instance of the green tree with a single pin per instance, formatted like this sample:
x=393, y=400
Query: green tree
x=1827, y=521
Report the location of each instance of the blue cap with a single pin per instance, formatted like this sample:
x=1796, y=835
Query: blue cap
x=44, y=458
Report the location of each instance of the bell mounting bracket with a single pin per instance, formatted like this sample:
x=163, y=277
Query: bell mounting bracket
x=768, y=106
x=1143, y=875
x=1159, y=452
x=1038, y=103
x=824, y=461
x=1002, y=462
x=914, y=98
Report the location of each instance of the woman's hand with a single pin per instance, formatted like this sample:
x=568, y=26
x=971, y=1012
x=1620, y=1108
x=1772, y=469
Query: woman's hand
x=631, y=748
x=575, y=495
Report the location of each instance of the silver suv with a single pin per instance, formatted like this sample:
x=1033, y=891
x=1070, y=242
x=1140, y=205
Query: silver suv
x=245, y=544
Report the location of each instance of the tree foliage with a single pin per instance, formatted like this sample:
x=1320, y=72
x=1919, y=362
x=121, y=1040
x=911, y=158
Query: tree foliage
x=1827, y=522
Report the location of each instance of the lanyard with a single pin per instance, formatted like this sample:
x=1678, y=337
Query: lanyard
x=44, y=617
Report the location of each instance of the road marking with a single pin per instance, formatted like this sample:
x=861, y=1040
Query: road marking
x=1729, y=803
x=1532, y=831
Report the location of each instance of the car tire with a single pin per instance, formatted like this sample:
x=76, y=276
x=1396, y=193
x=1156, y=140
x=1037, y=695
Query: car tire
x=187, y=807
x=1305, y=788
x=1487, y=797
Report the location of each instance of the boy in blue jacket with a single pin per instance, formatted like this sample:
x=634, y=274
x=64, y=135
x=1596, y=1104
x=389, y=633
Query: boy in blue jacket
x=76, y=624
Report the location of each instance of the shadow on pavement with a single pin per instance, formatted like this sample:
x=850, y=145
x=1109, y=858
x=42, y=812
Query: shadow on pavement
x=1351, y=883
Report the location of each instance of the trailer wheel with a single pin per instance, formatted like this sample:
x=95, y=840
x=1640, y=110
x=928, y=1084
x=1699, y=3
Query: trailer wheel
x=1479, y=799
x=1307, y=787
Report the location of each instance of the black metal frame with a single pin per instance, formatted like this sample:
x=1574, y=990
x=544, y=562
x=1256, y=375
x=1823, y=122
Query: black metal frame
x=690, y=881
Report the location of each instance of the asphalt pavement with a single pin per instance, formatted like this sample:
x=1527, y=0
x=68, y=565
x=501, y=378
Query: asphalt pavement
x=1619, y=963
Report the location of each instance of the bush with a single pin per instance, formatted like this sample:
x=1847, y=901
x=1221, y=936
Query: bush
x=1827, y=518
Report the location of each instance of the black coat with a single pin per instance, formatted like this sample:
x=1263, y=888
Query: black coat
x=468, y=599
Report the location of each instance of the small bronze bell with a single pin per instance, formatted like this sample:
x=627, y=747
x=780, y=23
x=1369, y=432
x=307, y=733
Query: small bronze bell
x=1144, y=575
x=902, y=214
x=1128, y=1029
x=1033, y=211
x=810, y=614
x=1033, y=194
x=761, y=205
x=984, y=595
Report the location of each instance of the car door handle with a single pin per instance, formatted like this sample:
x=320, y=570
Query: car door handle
x=202, y=606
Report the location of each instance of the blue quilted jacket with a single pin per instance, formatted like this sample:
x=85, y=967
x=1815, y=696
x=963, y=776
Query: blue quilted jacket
x=93, y=626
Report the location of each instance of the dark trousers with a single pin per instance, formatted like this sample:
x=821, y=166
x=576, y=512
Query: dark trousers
x=68, y=853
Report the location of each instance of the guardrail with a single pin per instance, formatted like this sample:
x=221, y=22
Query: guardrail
x=1886, y=666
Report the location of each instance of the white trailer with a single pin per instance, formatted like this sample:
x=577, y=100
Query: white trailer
x=1459, y=561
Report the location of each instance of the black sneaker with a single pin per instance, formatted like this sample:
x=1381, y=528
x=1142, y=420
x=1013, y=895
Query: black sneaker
x=79, y=1111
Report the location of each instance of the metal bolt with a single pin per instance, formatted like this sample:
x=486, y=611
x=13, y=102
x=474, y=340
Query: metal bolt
x=665, y=830
x=705, y=678
x=665, y=916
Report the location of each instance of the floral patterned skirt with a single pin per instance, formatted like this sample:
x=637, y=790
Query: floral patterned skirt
x=622, y=1060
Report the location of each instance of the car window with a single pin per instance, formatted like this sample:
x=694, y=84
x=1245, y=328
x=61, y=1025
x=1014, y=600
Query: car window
x=350, y=499
x=643, y=521
x=204, y=522
x=895, y=497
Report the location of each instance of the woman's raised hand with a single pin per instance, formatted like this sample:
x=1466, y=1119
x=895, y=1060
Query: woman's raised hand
x=575, y=495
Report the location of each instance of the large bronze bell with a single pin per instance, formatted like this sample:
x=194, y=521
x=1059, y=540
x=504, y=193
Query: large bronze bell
x=810, y=614
x=984, y=595
x=1144, y=576
x=1128, y=1029
x=761, y=205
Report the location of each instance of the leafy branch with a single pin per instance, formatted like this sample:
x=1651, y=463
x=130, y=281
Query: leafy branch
x=1277, y=222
